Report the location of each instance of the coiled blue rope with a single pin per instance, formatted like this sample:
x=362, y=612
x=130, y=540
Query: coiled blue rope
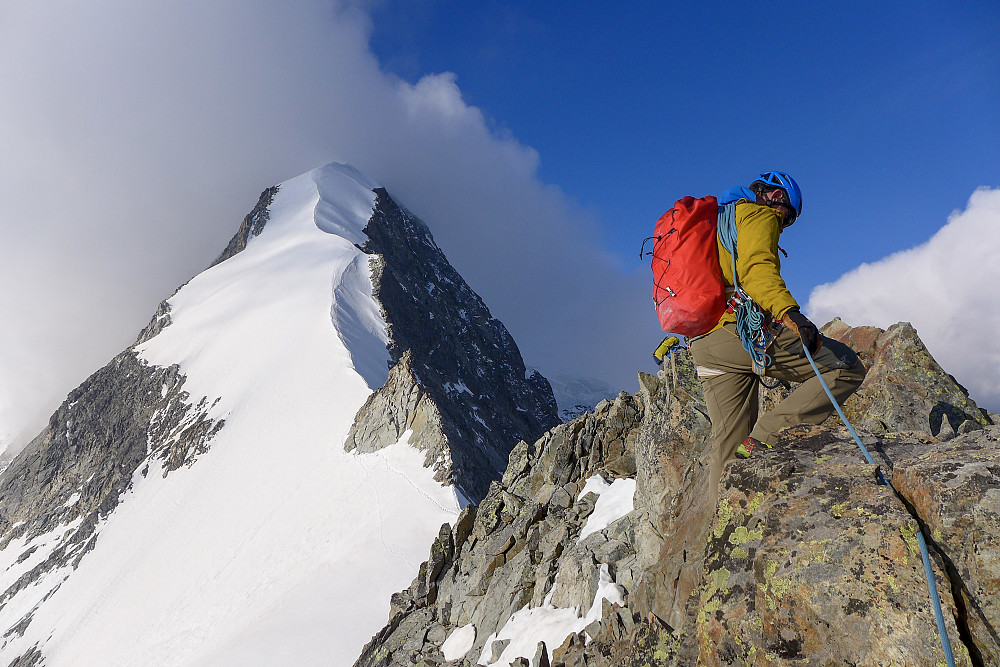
x=928, y=572
x=750, y=319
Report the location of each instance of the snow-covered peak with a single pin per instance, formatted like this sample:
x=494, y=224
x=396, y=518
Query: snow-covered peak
x=577, y=394
x=333, y=172
x=266, y=311
x=346, y=200
x=206, y=499
x=268, y=521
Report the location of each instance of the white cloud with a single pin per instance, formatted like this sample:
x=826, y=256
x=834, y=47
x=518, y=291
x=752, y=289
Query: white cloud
x=944, y=287
x=136, y=136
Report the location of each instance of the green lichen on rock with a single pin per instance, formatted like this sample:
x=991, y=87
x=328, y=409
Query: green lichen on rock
x=742, y=535
x=909, y=533
x=806, y=558
x=906, y=389
x=825, y=541
x=723, y=516
x=775, y=589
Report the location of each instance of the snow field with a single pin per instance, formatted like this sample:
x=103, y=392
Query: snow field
x=614, y=501
x=276, y=546
x=459, y=642
x=548, y=624
x=33, y=551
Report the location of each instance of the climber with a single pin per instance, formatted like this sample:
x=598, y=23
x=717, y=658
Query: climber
x=728, y=374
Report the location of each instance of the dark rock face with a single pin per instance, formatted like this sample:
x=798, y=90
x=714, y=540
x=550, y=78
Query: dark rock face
x=75, y=471
x=805, y=557
x=458, y=358
x=252, y=225
x=160, y=321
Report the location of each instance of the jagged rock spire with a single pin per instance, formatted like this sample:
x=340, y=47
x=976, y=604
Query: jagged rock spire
x=459, y=377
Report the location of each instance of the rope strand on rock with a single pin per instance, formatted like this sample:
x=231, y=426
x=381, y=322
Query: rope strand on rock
x=928, y=571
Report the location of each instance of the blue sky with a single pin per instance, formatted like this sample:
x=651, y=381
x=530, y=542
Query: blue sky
x=886, y=113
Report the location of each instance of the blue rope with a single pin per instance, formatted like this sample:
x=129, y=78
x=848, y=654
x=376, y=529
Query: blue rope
x=928, y=572
x=750, y=324
x=750, y=319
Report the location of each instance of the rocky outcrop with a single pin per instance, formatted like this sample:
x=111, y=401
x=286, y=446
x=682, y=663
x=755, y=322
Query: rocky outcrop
x=956, y=493
x=252, y=225
x=124, y=417
x=806, y=557
x=400, y=405
x=458, y=375
x=905, y=389
x=810, y=558
x=520, y=545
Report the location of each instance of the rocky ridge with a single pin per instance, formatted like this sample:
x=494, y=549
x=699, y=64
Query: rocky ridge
x=805, y=558
x=914, y=394
x=72, y=475
x=120, y=419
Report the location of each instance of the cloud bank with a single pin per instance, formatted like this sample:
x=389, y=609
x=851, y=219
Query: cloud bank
x=944, y=287
x=137, y=135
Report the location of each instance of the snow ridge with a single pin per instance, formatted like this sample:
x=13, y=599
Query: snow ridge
x=271, y=545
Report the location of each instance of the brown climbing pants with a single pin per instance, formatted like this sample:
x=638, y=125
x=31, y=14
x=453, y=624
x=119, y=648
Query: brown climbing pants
x=731, y=388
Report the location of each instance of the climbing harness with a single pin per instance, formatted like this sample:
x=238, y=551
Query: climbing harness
x=928, y=572
x=752, y=325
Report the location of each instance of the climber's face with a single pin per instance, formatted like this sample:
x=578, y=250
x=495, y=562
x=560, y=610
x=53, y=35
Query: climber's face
x=778, y=200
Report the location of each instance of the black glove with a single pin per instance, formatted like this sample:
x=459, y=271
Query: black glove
x=806, y=330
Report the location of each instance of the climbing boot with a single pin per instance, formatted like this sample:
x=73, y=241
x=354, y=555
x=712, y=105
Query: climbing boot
x=749, y=446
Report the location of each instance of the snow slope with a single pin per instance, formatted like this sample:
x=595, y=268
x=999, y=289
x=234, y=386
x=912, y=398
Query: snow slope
x=275, y=547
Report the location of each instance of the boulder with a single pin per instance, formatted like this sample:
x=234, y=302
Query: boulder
x=956, y=493
x=811, y=558
x=905, y=389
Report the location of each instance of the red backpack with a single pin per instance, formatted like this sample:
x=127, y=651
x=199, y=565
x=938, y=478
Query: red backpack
x=688, y=290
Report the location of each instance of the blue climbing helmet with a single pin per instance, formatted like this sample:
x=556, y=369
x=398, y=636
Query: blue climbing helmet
x=787, y=183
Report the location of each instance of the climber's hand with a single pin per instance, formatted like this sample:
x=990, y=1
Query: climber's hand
x=805, y=329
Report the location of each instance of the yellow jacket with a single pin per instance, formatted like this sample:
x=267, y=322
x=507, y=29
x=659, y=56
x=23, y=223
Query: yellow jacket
x=757, y=263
